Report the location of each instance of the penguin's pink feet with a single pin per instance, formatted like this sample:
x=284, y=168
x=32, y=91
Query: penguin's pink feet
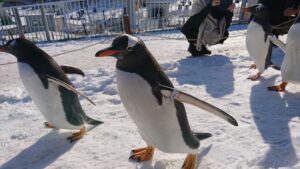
x=254, y=77
x=77, y=136
x=190, y=162
x=253, y=66
x=48, y=125
x=278, y=88
x=142, y=154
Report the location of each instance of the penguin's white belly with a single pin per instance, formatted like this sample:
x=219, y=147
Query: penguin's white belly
x=290, y=69
x=157, y=124
x=256, y=45
x=48, y=101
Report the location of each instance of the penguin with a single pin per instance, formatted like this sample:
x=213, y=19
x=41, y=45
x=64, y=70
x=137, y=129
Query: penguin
x=258, y=44
x=290, y=70
x=153, y=104
x=49, y=87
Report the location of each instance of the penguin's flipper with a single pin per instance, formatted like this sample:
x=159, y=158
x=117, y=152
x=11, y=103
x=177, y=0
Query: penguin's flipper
x=202, y=136
x=186, y=98
x=278, y=42
x=69, y=87
x=72, y=70
x=44, y=79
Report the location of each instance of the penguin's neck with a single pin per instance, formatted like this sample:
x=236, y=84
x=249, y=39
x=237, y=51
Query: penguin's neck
x=260, y=21
x=134, y=62
x=129, y=65
x=265, y=25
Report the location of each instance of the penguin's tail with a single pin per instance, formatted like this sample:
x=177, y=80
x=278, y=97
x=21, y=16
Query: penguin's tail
x=91, y=121
x=202, y=136
x=275, y=67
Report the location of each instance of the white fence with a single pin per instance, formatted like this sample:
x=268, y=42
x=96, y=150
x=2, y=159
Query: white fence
x=92, y=18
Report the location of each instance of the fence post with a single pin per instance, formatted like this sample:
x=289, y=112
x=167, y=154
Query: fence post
x=18, y=22
x=241, y=17
x=131, y=12
x=66, y=26
x=126, y=22
x=45, y=23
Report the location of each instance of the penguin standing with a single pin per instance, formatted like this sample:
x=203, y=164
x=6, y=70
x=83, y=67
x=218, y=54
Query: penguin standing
x=48, y=86
x=290, y=69
x=153, y=104
x=258, y=44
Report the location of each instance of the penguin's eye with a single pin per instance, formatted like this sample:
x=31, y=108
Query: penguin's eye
x=129, y=48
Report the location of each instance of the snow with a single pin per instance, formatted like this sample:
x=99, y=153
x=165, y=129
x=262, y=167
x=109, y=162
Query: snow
x=267, y=135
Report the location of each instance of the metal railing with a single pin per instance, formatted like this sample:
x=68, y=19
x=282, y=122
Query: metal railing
x=75, y=19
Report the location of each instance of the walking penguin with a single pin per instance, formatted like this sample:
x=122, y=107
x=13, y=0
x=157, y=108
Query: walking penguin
x=49, y=87
x=153, y=104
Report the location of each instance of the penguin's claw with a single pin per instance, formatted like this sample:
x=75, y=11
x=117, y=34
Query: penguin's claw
x=254, y=77
x=48, y=125
x=190, y=162
x=142, y=154
x=278, y=88
x=253, y=66
x=77, y=136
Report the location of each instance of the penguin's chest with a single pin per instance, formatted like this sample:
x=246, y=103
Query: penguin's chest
x=48, y=101
x=157, y=124
x=256, y=45
x=290, y=69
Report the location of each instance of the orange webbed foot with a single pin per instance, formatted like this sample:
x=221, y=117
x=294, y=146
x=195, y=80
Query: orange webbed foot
x=78, y=135
x=190, y=162
x=48, y=125
x=142, y=154
x=254, y=77
x=253, y=66
x=278, y=88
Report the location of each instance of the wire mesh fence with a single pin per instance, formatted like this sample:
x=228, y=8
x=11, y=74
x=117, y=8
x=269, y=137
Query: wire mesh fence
x=75, y=19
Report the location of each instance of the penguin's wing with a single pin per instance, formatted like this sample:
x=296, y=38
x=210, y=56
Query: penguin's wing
x=72, y=70
x=69, y=87
x=186, y=98
x=277, y=42
x=44, y=80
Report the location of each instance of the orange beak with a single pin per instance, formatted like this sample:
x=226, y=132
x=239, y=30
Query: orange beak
x=107, y=52
x=250, y=9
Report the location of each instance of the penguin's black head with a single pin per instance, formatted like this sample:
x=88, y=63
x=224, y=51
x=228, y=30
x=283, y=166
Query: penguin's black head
x=130, y=51
x=261, y=12
x=122, y=46
x=20, y=48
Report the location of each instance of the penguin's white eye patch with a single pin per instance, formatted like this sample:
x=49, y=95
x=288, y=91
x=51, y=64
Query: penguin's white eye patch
x=132, y=41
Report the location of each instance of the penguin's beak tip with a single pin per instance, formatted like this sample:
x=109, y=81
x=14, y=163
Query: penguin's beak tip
x=250, y=9
x=246, y=10
x=106, y=52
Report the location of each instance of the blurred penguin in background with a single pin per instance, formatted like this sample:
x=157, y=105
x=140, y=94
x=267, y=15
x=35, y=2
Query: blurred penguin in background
x=282, y=14
x=208, y=24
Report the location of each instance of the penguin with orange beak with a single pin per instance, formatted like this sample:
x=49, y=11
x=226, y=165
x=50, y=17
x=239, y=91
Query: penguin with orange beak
x=153, y=104
x=258, y=42
x=49, y=87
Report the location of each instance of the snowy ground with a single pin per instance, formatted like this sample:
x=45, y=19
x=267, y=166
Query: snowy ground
x=268, y=135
